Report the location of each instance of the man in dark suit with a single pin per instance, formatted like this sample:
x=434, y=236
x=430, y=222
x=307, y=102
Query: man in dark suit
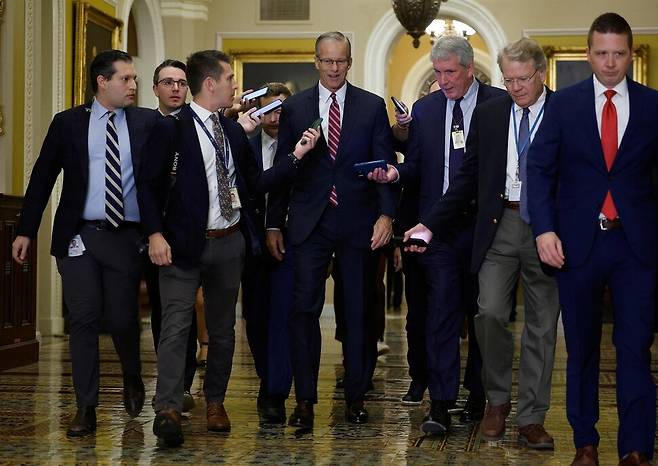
x=96, y=230
x=503, y=246
x=332, y=211
x=199, y=227
x=440, y=123
x=594, y=216
x=267, y=285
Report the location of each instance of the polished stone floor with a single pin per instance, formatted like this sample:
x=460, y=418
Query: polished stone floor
x=37, y=401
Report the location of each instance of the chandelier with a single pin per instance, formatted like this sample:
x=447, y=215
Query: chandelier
x=416, y=15
x=448, y=27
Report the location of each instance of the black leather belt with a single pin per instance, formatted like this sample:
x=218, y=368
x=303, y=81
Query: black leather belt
x=516, y=205
x=104, y=225
x=605, y=224
x=222, y=232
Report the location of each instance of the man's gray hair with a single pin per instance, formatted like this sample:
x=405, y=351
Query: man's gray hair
x=524, y=50
x=448, y=46
x=333, y=35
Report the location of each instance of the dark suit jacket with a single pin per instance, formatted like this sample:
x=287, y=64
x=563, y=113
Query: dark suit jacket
x=66, y=148
x=568, y=178
x=365, y=135
x=482, y=174
x=424, y=161
x=186, y=218
x=258, y=199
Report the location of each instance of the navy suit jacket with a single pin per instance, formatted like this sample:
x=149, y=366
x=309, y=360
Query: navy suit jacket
x=258, y=199
x=365, y=135
x=424, y=160
x=482, y=174
x=66, y=148
x=186, y=215
x=568, y=178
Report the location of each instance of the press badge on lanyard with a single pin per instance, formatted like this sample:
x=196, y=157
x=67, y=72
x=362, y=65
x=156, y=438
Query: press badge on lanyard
x=76, y=246
x=514, y=193
x=458, y=141
x=235, y=198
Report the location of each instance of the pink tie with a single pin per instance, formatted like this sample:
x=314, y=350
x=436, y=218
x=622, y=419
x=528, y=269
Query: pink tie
x=609, y=144
x=334, y=137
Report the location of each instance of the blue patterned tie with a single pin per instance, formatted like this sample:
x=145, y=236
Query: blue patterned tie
x=456, y=155
x=524, y=130
x=113, y=184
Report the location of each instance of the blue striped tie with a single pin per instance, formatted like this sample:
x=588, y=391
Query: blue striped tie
x=113, y=183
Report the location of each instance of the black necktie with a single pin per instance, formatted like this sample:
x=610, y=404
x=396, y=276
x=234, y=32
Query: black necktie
x=456, y=155
x=524, y=133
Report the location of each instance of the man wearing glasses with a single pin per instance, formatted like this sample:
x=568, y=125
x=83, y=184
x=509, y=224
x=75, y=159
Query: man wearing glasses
x=332, y=211
x=494, y=169
x=170, y=87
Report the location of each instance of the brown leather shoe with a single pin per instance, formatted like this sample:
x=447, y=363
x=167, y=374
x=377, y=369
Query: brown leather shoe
x=586, y=456
x=493, y=423
x=167, y=427
x=635, y=459
x=535, y=436
x=217, y=418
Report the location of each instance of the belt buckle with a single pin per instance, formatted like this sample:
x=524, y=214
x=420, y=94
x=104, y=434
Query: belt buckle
x=602, y=224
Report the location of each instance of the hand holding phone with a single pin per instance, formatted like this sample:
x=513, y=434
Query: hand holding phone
x=268, y=108
x=316, y=125
x=255, y=94
x=362, y=169
x=400, y=106
x=399, y=240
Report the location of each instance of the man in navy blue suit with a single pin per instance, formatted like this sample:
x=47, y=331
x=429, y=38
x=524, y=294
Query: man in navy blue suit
x=594, y=217
x=435, y=150
x=199, y=228
x=331, y=210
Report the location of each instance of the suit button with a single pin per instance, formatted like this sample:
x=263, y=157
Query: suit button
x=502, y=196
x=495, y=220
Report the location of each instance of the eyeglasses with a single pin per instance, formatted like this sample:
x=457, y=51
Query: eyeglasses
x=340, y=63
x=522, y=81
x=168, y=82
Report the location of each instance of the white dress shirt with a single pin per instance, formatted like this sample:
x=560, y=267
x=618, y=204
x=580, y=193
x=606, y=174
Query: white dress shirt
x=512, y=154
x=620, y=99
x=325, y=103
x=215, y=219
x=268, y=148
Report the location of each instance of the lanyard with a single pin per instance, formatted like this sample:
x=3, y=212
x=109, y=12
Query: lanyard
x=519, y=150
x=212, y=140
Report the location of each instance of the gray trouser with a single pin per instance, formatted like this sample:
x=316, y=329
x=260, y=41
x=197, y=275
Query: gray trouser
x=219, y=273
x=513, y=252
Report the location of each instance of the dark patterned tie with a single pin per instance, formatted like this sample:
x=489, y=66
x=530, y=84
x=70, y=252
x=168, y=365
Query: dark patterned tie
x=223, y=186
x=456, y=155
x=524, y=131
x=333, y=139
x=113, y=184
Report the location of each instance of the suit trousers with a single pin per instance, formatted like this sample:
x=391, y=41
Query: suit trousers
x=311, y=260
x=255, y=299
x=102, y=283
x=219, y=273
x=415, y=291
x=632, y=283
x=152, y=279
x=452, y=288
x=513, y=253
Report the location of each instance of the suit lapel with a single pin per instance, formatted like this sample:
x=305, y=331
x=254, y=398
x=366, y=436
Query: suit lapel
x=136, y=134
x=587, y=111
x=81, y=139
x=501, y=128
x=635, y=109
x=313, y=113
x=189, y=145
x=347, y=126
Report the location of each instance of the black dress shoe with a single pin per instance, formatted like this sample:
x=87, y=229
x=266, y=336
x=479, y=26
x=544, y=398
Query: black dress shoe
x=133, y=394
x=437, y=421
x=473, y=410
x=84, y=422
x=272, y=410
x=356, y=413
x=302, y=417
x=414, y=395
x=166, y=426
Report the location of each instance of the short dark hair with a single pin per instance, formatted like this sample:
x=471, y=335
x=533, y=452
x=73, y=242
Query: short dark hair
x=203, y=64
x=611, y=23
x=333, y=35
x=276, y=89
x=174, y=63
x=103, y=65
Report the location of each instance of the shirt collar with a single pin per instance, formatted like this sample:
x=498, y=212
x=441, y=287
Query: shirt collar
x=325, y=94
x=175, y=112
x=201, y=112
x=266, y=139
x=599, y=88
x=98, y=111
x=471, y=92
x=536, y=107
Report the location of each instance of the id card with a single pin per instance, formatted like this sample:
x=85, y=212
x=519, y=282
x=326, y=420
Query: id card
x=235, y=198
x=458, y=139
x=76, y=246
x=515, y=191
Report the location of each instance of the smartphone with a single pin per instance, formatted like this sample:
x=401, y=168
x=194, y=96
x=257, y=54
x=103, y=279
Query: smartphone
x=255, y=94
x=400, y=107
x=316, y=126
x=362, y=169
x=268, y=108
x=410, y=242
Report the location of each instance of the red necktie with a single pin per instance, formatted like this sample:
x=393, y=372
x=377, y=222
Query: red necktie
x=334, y=137
x=609, y=144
